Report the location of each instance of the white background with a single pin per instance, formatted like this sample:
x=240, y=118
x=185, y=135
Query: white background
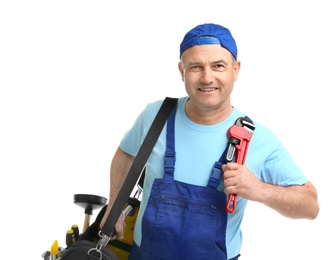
x=75, y=74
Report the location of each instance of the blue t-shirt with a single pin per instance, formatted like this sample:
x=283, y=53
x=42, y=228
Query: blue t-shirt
x=197, y=148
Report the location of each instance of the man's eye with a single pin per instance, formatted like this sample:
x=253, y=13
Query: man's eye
x=219, y=67
x=194, y=68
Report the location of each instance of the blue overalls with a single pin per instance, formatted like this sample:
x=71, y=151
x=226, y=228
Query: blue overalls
x=183, y=221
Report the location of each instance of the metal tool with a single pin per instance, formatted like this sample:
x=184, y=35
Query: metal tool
x=239, y=136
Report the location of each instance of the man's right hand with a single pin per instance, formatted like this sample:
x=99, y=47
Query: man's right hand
x=119, y=228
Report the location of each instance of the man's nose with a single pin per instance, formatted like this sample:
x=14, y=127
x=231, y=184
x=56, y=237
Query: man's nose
x=207, y=76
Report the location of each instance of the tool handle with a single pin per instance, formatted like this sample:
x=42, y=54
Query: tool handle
x=231, y=203
x=86, y=222
x=70, y=237
x=76, y=231
x=127, y=210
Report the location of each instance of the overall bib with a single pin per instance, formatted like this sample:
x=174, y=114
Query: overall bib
x=183, y=221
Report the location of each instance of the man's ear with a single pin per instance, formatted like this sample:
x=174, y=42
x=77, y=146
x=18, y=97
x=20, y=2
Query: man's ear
x=180, y=67
x=236, y=69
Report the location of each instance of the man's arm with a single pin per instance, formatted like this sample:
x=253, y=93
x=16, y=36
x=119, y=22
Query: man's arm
x=298, y=201
x=120, y=166
x=291, y=201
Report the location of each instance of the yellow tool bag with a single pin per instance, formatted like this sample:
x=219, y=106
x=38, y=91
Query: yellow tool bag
x=120, y=248
x=114, y=249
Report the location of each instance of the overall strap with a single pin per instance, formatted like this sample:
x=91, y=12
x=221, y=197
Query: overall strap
x=169, y=158
x=216, y=172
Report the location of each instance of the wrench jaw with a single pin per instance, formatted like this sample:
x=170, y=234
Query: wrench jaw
x=246, y=123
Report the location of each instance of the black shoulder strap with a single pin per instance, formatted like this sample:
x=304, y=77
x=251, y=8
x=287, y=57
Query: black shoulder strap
x=138, y=165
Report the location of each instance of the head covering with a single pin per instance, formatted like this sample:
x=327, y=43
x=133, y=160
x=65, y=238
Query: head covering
x=209, y=33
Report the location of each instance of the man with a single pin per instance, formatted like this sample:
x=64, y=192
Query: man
x=182, y=213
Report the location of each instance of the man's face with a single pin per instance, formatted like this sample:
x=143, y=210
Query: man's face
x=209, y=73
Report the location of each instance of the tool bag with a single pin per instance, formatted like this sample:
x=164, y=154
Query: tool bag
x=121, y=248
x=96, y=244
